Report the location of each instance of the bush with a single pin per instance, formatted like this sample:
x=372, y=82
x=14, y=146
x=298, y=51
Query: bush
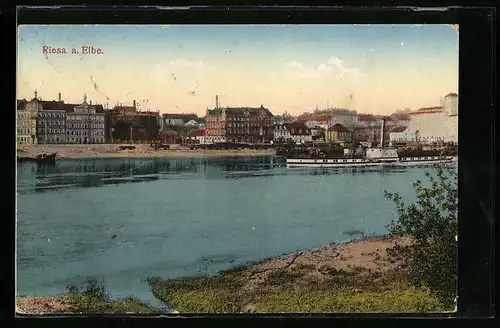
x=432, y=225
x=91, y=297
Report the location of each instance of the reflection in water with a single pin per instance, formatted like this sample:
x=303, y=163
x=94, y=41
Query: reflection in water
x=99, y=172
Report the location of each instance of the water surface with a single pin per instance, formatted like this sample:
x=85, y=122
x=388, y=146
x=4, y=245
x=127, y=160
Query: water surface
x=124, y=219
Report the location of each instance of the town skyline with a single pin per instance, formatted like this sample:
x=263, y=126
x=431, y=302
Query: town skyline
x=294, y=69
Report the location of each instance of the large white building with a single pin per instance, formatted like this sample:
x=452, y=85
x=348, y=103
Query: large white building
x=346, y=117
x=432, y=124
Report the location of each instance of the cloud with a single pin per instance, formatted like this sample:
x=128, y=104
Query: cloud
x=333, y=65
x=184, y=63
x=295, y=63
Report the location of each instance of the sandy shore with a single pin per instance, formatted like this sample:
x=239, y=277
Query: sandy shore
x=42, y=305
x=369, y=254
x=142, y=150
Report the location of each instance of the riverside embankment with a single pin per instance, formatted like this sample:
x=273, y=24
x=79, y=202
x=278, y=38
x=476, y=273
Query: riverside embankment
x=85, y=151
x=356, y=276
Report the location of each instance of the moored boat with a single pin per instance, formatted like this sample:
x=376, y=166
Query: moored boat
x=364, y=162
x=41, y=159
x=46, y=158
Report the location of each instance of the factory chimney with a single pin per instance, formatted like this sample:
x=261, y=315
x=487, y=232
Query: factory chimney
x=134, y=105
x=59, y=97
x=382, y=133
x=216, y=101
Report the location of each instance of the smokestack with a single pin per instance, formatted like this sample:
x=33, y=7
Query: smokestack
x=59, y=97
x=134, y=104
x=91, y=102
x=382, y=133
x=216, y=101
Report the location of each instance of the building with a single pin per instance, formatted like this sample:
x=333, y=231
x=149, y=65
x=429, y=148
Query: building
x=26, y=120
x=281, y=133
x=319, y=122
x=285, y=118
x=367, y=134
x=126, y=123
x=195, y=124
x=241, y=124
x=85, y=123
x=433, y=124
x=367, y=121
x=178, y=119
x=52, y=121
x=345, y=117
x=121, y=119
x=299, y=132
x=147, y=127
x=338, y=132
x=197, y=135
x=400, y=120
x=133, y=126
x=399, y=134
x=318, y=133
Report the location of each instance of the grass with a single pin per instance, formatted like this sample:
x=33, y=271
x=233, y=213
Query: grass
x=92, y=298
x=199, y=294
x=355, y=290
x=344, y=300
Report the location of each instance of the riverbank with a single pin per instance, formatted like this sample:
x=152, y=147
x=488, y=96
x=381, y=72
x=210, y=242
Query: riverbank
x=357, y=276
x=142, y=150
x=81, y=303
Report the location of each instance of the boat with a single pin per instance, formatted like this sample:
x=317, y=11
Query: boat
x=46, y=159
x=42, y=159
x=370, y=162
x=373, y=157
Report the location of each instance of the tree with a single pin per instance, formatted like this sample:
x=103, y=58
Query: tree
x=432, y=225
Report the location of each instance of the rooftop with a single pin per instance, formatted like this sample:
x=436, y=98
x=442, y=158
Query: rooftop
x=58, y=105
x=338, y=128
x=184, y=117
x=428, y=110
x=197, y=133
x=297, y=128
x=120, y=108
x=322, y=118
x=398, y=129
x=366, y=117
x=21, y=104
x=240, y=111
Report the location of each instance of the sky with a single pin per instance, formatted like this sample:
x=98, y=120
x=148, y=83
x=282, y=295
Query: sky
x=374, y=69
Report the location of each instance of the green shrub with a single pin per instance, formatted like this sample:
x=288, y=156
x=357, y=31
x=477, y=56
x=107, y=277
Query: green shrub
x=432, y=224
x=91, y=297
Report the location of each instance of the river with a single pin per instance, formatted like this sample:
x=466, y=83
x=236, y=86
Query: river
x=123, y=219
